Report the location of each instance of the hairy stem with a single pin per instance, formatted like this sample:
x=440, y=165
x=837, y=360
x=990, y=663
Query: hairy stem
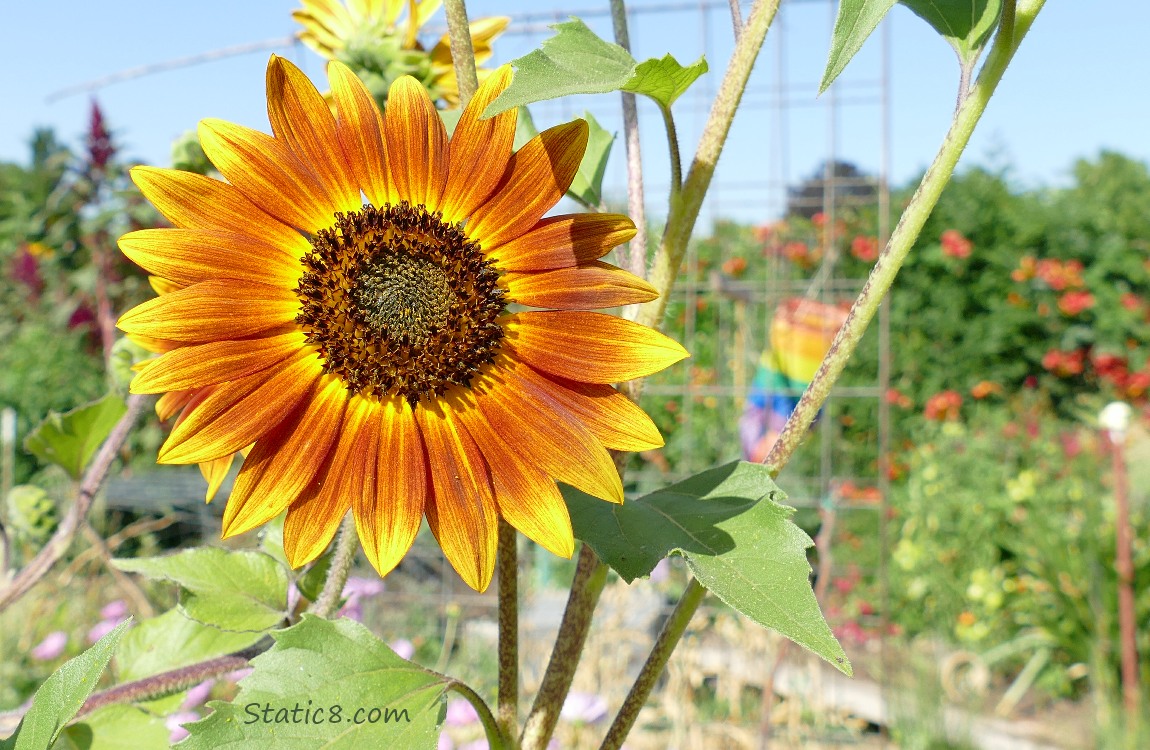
x=736, y=18
x=341, y=561
x=676, y=160
x=93, y=479
x=685, y=209
x=590, y=577
x=636, y=260
x=495, y=739
x=508, y=702
x=665, y=644
x=1010, y=34
x=462, y=52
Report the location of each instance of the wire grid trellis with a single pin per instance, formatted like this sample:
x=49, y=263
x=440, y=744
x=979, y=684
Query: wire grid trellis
x=763, y=142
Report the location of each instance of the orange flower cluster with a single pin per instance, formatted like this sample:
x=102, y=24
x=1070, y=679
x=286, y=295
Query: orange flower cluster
x=985, y=388
x=943, y=407
x=1065, y=364
x=865, y=248
x=1059, y=275
x=1073, y=303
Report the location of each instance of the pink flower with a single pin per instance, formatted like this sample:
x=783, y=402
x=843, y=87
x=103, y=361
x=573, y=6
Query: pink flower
x=460, y=713
x=101, y=629
x=175, y=722
x=403, y=648
x=114, y=610
x=1073, y=303
x=52, y=646
x=585, y=708
x=955, y=245
x=198, y=695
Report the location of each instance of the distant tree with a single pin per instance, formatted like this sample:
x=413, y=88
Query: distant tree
x=837, y=182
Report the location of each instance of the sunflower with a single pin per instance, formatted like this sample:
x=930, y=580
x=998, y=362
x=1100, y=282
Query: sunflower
x=357, y=32
x=366, y=353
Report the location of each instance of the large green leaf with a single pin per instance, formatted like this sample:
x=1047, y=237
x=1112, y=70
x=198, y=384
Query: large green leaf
x=964, y=24
x=232, y=590
x=62, y=695
x=170, y=641
x=588, y=183
x=340, y=670
x=664, y=80
x=577, y=61
x=115, y=727
x=855, y=22
x=574, y=61
x=736, y=537
x=70, y=440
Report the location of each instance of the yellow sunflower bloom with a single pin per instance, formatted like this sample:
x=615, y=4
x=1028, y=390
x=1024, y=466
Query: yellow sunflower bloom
x=365, y=352
x=346, y=31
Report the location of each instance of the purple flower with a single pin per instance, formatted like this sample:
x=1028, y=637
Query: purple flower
x=237, y=675
x=174, y=722
x=51, y=647
x=445, y=742
x=662, y=571
x=358, y=586
x=460, y=713
x=403, y=648
x=198, y=695
x=116, y=610
x=585, y=708
x=480, y=744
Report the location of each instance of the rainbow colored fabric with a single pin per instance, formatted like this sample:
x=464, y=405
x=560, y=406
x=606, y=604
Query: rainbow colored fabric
x=800, y=336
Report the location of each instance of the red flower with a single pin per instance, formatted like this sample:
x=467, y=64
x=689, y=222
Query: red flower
x=942, y=407
x=897, y=398
x=819, y=219
x=1131, y=301
x=1073, y=303
x=1064, y=364
x=100, y=148
x=955, y=245
x=865, y=248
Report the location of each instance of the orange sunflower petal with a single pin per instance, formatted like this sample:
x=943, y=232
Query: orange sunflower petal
x=590, y=347
x=193, y=201
x=189, y=256
x=529, y=418
x=461, y=510
x=528, y=499
x=212, y=310
x=391, y=506
x=417, y=151
x=360, y=128
x=215, y=362
x=215, y=472
x=301, y=118
x=595, y=285
x=170, y=403
x=563, y=241
x=313, y=519
x=284, y=462
x=163, y=286
x=268, y=173
x=617, y=421
x=537, y=177
x=480, y=150
x=239, y=412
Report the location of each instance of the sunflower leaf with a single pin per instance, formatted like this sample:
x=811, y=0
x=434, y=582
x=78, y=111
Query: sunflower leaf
x=736, y=537
x=309, y=688
x=114, y=727
x=664, y=79
x=170, y=641
x=855, y=22
x=587, y=187
x=574, y=61
x=70, y=439
x=964, y=24
x=241, y=591
x=62, y=695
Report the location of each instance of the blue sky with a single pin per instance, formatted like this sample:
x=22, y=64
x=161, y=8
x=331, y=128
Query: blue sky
x=1077, y=86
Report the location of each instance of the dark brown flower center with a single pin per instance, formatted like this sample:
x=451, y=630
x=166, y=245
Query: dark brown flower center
x=399, y=302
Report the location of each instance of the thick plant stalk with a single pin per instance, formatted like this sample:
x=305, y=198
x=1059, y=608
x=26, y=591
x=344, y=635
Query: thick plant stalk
x=341, y=562
x=508, y=701
x=462, y=51
x=1010, y=34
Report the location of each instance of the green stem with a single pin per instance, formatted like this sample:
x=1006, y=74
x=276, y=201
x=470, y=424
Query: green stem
x=1011, y=32
x=676, y=160
x=462, y=52
x=590, y=577
x=495, y=738
x=665, y=644
x=508, y=704
x=341, y=562
x=685, y=208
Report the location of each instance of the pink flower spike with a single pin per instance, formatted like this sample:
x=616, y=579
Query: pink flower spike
x=115, y=610
x=52, y=646
x=403, y=648
x=175, y=722
x=460, y=713
x=101, y=629
x=585, y=708
x=198, y=695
